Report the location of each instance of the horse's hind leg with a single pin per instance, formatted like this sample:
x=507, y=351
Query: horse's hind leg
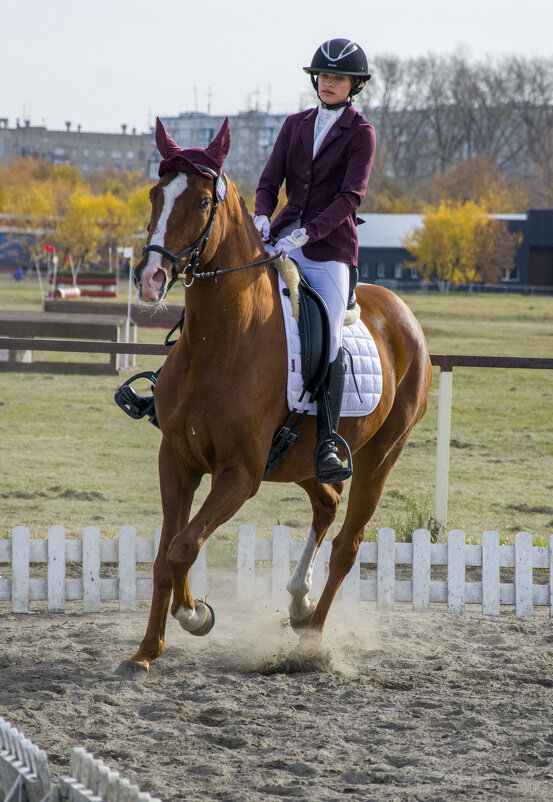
x=177, y=491
x=372, y=464
x=324, y=501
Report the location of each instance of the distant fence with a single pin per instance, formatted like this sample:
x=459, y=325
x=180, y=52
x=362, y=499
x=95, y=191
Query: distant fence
x=25, y=775
x=446, y=363
x=264, y=566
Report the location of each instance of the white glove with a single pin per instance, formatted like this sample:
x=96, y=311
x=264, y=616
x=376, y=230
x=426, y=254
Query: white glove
x=294, y=240
x=261, y=222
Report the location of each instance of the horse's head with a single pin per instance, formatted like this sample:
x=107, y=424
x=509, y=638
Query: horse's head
x=184, y=213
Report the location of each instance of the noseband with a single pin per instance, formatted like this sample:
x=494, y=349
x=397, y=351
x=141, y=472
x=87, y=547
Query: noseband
x=198, y=246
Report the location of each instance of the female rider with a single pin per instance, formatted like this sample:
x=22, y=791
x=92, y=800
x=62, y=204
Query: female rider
x=324, y=155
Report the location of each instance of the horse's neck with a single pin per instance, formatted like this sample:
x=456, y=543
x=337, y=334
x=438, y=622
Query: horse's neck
x=228, y=314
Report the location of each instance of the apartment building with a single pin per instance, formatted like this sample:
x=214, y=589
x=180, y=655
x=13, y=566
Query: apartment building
x=89, y=152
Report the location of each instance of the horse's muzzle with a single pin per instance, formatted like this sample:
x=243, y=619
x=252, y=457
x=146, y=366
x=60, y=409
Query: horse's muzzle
x=151, y=284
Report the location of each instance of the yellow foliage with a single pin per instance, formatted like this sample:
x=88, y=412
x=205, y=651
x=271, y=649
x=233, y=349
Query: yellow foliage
x=78, y=232
x=460, y=244
x=139, y=208
x=55, y=205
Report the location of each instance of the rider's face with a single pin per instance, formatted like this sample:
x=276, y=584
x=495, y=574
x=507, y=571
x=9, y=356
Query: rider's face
x=333, y=88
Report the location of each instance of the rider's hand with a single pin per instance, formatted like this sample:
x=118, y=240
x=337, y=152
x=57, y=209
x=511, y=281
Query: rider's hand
x=261, y=222
x=294, y=240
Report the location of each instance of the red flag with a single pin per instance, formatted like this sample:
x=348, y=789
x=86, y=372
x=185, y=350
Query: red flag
x=49, y=248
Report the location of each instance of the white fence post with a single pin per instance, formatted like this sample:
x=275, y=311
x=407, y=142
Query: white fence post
x=24, y=770
x=92, y=596
x=386, y=569
x=421, y=570
x=351, y=586
x=197, y=576
x=56, y=569
x=245, y=575
x=127, y=568
x=551, y=576
x=91, y=779
x=491, y=602
x=456, y=572
x=157, y=540
x=21, y=552
x=445, y=395
x=319, y=566
x=281, y=561
x=523, y=574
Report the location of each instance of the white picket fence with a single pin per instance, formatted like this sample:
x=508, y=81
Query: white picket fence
x=25, y=775
x=278, y=554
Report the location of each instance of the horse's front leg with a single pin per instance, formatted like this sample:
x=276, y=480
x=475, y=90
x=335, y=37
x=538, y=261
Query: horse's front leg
x=230, y=488
x=177, y=492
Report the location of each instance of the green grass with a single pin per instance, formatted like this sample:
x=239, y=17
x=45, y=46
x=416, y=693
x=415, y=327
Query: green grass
x=70, y=457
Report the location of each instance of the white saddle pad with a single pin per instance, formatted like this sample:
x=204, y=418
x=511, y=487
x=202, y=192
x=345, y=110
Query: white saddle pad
x=366, y=366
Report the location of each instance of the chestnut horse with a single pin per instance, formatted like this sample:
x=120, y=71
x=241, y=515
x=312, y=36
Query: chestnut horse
x=221, y=396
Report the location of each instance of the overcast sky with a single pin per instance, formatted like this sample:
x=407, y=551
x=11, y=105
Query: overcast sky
x=100, y=63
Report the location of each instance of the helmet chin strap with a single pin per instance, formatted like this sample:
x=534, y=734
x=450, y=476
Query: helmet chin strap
x=330, y=106
x=334, y=106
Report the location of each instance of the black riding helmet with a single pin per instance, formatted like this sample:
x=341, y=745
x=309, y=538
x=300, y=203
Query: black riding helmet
x=339, y=57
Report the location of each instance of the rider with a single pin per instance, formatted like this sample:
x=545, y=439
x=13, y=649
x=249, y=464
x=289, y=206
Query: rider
x=324, y=155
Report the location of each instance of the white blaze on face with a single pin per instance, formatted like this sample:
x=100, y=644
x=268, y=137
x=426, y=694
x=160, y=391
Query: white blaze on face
x=151, y=279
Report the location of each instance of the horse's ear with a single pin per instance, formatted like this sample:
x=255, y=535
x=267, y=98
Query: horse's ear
x=219, y=147
x=164, y=141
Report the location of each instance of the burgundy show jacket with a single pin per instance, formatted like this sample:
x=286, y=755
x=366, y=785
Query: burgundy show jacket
x=325, y=192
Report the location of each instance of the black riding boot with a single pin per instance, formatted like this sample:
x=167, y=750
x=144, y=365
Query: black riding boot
x=328, y=465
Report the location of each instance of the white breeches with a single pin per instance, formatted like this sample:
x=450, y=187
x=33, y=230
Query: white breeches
x=331, y=281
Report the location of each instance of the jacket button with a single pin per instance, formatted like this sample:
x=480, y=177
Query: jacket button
x=306, y=186
x=308, y=172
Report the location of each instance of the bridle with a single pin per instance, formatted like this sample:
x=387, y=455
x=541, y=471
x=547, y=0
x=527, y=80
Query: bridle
x=198, y=246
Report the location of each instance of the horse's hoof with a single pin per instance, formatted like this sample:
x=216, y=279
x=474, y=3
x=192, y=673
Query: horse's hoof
x=209, y=619
x=136, y=672
x=299, y=626
x=307, y=608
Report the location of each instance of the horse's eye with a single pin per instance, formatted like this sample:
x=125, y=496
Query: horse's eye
x=204, y=203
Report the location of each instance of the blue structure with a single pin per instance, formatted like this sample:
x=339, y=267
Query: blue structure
x=11, y=253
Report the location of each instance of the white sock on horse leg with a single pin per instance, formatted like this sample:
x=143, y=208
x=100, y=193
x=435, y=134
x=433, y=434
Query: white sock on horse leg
x=299, y=583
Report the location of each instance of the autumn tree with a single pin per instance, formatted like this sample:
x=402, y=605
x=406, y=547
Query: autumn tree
x=78, y=231
x=55, y=205
x=461, y=244
x=432, y=111
x=481, y=181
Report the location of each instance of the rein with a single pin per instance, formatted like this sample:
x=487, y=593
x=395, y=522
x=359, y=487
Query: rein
x=214, y=274
x=198, y=246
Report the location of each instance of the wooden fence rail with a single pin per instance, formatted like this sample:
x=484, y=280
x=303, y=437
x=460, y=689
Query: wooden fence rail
x=446, y=363
x=385, y=571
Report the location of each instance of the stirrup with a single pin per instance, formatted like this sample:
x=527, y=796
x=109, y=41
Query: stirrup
x=339, y=474
x=134, y=405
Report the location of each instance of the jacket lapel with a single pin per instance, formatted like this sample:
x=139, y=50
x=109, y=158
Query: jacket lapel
x=343, y=122
x=308, y=133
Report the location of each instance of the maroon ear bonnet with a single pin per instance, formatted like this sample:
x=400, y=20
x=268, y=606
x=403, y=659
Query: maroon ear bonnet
x=177, y=160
